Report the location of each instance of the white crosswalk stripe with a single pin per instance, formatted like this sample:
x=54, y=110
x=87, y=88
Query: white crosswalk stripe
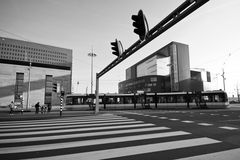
x=127, y=151
x=80, y=135
x=82, y=124
x=39, y=138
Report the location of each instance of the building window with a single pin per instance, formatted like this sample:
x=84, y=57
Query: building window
x=19, y=87
x=153, y=79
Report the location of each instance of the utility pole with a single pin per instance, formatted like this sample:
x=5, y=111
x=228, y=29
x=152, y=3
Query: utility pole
x=238, y=96
x=92, y=55
x=29, y=84
x=223, y=75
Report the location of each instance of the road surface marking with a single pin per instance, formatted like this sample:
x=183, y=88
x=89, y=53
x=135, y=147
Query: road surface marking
x=174, y=119
x=134, y=150
x=205, y=124
x=187, y=121
x=81, y=135
x=223, y=155
x=154, y=116
x=228, y=128
x=76, y=130
x=162, y=117
x=67, y=120
x=43, y=147
x=97, y=123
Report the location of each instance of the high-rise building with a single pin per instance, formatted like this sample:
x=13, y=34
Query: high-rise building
x=166, y=70
x=28, y=71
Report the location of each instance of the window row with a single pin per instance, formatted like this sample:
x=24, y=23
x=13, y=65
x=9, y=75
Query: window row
x=30, y=48
x=34, y=53
x=17, y=56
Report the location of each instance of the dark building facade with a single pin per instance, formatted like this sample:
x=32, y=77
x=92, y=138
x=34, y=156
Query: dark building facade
x=166, y=70
x=24, y=64
x=153, y=83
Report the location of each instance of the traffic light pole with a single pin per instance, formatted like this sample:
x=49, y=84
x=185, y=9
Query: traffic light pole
x=97, y=94
x=174, y=17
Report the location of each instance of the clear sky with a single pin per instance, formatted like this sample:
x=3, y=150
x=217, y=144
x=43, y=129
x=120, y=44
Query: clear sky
x=212, y=33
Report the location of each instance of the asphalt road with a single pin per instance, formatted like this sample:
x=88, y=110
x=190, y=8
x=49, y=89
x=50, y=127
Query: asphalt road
x=140, y=134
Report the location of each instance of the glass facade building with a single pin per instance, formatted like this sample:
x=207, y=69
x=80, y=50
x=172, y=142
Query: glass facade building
x=166, y=70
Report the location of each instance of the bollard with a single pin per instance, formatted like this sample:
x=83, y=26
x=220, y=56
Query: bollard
x=61, y=104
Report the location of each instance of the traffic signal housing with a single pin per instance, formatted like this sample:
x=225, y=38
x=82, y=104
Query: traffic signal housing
x=54, y=87
x=62, y=93
x=117, y=48
x=140, y=24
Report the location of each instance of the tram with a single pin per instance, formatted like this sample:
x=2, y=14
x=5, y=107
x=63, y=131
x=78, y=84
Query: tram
x=173, y=100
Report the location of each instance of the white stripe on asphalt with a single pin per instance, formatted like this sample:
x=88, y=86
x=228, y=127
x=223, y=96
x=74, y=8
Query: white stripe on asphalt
x=80, y=135
x=213, y=114
x=134, y=150
x=75, y=130
x=205, y=124
x=72, y=125
x=187, y=121
x=174, y=119
x=10, y=123
x=232, y=154
x=43, y=147
x=154, y=116
x=162, y=117
x=229, y=128
x=53, y=123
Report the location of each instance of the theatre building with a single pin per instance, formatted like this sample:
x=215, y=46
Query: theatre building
x=28, y=71
x=166, y=70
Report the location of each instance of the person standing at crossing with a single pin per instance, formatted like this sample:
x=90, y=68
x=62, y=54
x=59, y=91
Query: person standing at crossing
x=37, y=107
x=11, y=106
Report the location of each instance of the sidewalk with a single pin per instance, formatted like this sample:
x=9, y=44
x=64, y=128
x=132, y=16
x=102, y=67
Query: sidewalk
x=30, y=114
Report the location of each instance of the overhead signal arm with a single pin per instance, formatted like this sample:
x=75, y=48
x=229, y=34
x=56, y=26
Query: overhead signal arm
x=174, y=17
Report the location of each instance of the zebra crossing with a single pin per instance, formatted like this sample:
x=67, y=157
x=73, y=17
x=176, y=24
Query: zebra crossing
x=104, y=136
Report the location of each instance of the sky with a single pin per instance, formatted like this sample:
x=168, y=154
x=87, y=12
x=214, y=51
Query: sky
x=212, y=33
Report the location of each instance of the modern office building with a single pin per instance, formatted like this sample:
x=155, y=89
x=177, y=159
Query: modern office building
x=166, y=70
x=28, y=71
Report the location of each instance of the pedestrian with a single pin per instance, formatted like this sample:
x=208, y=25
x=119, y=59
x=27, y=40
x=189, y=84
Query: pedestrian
x=37, y=105
x=45, y=108
x=49, y=107
x=11, y=106
x=42, y=109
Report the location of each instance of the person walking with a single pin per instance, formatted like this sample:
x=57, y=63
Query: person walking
x=49, y=107
x=37, y=105
x=11, y=106
x=42, y=109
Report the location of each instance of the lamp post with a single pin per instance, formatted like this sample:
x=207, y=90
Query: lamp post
x=92, y=55
x=223, y=72
x=29, y=83
x=223, y=76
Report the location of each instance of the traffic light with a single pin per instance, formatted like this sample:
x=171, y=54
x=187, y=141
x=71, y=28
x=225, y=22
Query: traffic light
x=117, y=48
x=62, y=93
x=54, y=87
x=140, y=24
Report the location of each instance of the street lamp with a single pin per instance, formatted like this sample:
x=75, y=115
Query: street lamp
x=29, y=81
x=223, y=73
x=223, y=76
x=92, y=55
